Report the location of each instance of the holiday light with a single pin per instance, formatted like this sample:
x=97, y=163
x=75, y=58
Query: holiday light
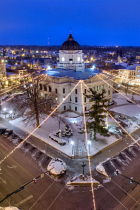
x=92, y=188
x=40, y=124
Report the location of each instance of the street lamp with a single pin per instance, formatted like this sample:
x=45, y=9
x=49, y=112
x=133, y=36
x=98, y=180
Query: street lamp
x=89, y=143
x=72, y=143
x=11, y=113
x=59, y=120
x=4, y=109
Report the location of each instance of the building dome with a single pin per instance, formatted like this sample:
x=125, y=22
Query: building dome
x=70, y=44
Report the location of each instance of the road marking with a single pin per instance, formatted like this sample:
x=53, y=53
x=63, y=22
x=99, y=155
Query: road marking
x=18, y=164
x=24, y=200
x=4, y=181
x=11, y=166
x=3, y=146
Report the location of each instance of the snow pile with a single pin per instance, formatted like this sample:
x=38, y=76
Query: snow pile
x=101, y=170
x=57, y=139
x=57, y=167
x=83, y=180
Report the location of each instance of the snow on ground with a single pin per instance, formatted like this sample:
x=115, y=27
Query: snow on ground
x=51, y=125
x=129, y=110
x=83, y=180
x=101, y=170
x=120, y=99
x=57, y=167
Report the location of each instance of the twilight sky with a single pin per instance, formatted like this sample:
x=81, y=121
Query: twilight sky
x=93, y=22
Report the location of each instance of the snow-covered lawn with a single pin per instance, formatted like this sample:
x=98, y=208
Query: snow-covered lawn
x=129, y=110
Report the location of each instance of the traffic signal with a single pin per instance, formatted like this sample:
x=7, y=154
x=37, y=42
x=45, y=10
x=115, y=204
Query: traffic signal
x=116, y=172
x=131, y=180
x=35, y=181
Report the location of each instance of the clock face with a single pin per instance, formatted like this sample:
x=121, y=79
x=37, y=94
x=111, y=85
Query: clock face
x=63, y=59
x=78, y=59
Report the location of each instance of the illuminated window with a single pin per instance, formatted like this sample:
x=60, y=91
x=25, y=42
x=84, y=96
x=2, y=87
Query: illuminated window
x=56, y=99
x=41, y=94
x=63, y=59
x=63, y=98
x=78, y=59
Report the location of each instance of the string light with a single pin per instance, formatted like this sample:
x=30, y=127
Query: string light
x=17, y=93
x=92, y=188
x=119, y=92
x=117, y=122
x=10, y=89
x=124, y=86
x=40, y=124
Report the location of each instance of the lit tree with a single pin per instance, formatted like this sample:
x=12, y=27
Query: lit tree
x=32, y=103
x=96, y=122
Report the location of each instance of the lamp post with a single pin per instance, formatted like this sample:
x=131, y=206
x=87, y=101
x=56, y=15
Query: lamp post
x=83, y=167
x=59, y=116
x=89, y=143
x=11, y=113
x=4, y=109
x=72, y=143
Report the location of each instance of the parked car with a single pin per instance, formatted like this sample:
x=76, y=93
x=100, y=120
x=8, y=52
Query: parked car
x=4, y=99
x=2, y=130
x=7, y=133
x=111, y=103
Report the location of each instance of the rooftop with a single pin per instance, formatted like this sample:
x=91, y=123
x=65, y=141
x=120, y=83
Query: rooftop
x=77, y=75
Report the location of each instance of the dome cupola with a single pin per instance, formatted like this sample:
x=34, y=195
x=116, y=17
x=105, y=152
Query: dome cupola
x=70, y=44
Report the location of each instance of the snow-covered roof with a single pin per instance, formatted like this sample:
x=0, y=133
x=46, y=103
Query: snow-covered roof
x=78, y=75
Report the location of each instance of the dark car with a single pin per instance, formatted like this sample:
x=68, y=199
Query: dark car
x=7, y=133
x=4, y=99
x=2, y=130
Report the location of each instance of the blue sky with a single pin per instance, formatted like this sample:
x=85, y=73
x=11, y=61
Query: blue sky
x=93, y=22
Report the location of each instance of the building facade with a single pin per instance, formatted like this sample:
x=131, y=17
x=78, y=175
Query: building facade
x=70, y=70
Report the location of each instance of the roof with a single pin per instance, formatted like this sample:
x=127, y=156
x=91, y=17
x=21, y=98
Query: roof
x=70, y=44
x=77, y=75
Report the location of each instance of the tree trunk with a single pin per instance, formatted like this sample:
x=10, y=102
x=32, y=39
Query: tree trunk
x=37, y=119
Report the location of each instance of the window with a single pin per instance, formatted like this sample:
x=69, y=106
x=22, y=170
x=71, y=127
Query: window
x=93, y=88
x=85, y=108
x=50, y=89
x=78, y=59
x=40, y=86
x=41, y=94
x=56, y=99
x=108, y=92
x=46, y=96
x=102, y=86
x=75, y=91
x=76, y=108
x=76, y=99
x=85, y=99
x=45, y=88
x=108, y=85
x=99, y=87
x=63, y=59
x=70, y=107
x=63, y=90
x=63, y=98
x=70, y=98
x=64, y=107
x=55, y=90
x=85, y=91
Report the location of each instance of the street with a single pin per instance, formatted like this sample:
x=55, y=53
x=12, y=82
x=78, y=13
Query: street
x=25, y=164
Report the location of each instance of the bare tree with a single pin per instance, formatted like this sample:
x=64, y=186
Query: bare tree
x=31, y=104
